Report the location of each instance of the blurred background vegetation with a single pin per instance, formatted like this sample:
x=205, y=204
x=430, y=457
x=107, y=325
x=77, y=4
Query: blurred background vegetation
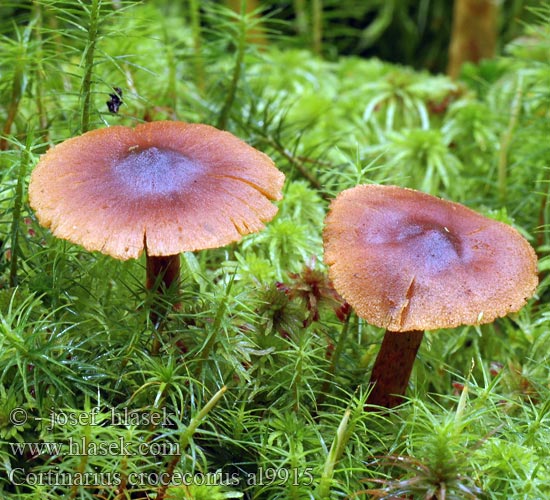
x=412, y=32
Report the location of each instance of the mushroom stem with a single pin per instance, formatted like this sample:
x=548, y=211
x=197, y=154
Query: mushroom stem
x=392, y=368
x=162, y=274
x=162, y=271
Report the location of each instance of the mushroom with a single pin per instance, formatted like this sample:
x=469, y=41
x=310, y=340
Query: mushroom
x=162, y=187
x=408, y=262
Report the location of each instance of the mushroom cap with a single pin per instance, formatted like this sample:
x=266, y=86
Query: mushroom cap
x=163, y=186
x=405, y=260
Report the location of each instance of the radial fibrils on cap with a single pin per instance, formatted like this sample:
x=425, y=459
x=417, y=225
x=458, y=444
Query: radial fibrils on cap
x=177, y=186
x=406, y=260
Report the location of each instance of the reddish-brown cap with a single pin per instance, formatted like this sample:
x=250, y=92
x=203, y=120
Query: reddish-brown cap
x=169, y=186
x=406, y=260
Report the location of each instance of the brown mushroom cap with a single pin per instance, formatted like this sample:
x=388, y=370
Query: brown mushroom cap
x=406, y=260
x=169, y=186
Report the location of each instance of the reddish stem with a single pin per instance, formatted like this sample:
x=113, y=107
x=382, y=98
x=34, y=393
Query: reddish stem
x=166, y=267
x=162, y=273
x=392, y=368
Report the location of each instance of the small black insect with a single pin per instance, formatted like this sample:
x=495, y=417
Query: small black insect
x=115, y=100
